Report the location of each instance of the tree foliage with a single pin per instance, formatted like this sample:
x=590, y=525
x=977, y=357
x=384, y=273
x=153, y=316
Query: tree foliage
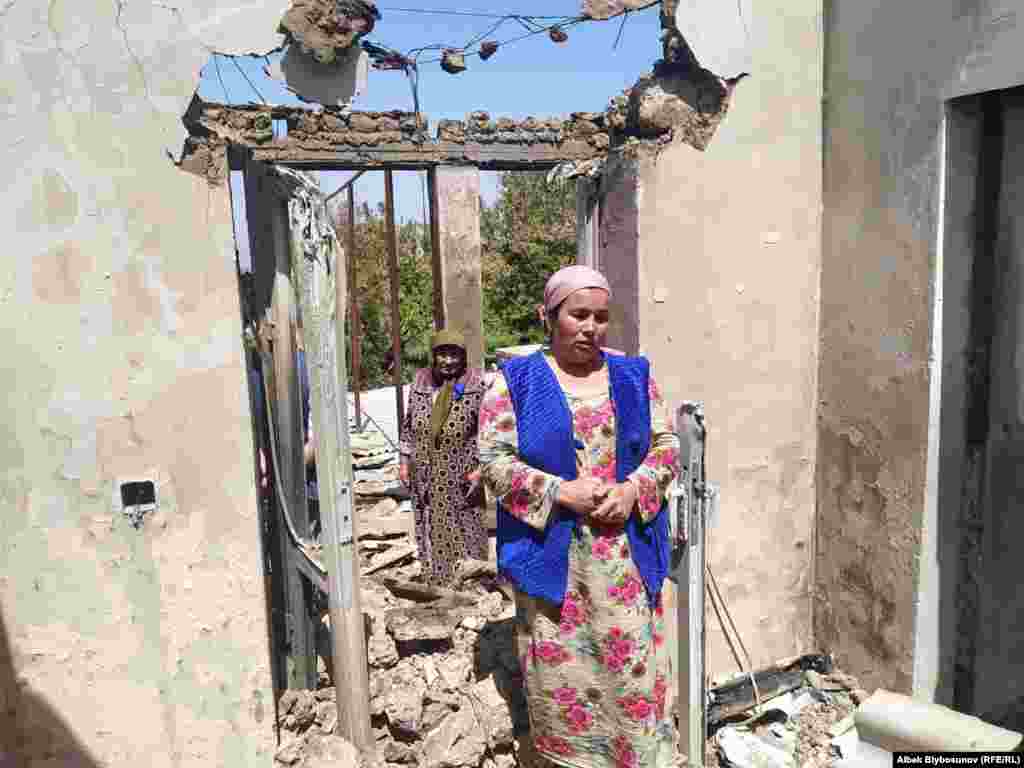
x=528, y=233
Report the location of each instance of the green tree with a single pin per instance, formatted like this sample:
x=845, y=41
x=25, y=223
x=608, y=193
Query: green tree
x=528, y=233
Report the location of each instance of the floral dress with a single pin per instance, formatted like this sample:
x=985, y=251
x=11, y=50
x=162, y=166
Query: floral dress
x=448, y=522
x=596, y=667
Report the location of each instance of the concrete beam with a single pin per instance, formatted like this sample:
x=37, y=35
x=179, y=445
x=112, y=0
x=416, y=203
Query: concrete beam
x=458, y=213
x=351, y=140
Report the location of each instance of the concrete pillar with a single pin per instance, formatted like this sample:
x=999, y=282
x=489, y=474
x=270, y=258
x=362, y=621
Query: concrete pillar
x=618, y=253
x=587, y=220
x=458, y=212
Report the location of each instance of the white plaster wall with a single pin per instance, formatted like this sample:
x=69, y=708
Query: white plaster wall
x=122, y=357
x=729, y=261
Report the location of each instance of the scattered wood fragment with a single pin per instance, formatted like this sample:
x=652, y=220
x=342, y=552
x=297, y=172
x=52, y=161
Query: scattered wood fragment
x=474, y=569
x=424, y=593
x=396, y=556
x=737, y=696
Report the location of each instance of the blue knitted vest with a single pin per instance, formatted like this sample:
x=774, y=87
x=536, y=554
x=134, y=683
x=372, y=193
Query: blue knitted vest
x=536, y=561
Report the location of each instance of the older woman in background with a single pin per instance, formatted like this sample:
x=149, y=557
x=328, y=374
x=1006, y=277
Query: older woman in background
x=578, y=447
x=438, y=451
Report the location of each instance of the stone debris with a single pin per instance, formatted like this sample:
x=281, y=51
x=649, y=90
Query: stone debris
x=445, y=687
x=810, y=727
x=446, y=690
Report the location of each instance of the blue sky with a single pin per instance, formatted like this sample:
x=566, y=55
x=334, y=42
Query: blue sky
x=534, y=76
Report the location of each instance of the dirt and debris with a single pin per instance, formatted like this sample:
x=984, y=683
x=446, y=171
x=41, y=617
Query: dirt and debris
x=808, y=727
x=445, y=685
x=326, y=28
x=446, y=689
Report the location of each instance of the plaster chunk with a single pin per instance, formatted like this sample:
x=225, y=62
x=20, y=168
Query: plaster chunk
x=606, y=9
x=336, y=83
x=689, y=103
x=326, y=28
x=718, y=34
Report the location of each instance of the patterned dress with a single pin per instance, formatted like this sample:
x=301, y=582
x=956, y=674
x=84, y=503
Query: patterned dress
x=596, y=667
x=449, y=526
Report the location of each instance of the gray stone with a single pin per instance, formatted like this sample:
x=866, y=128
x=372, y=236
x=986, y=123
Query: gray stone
x=433, y=714
x=458, y=741
x=491, y=604
x=743, y=749
x=492, y=712
x=454, y=670
x=302, y=713
x=327, y=716
x=328, y=751
x=404, y=706
x=422, y=624
x=397, y=752
x=290, y=752
x=381, y=649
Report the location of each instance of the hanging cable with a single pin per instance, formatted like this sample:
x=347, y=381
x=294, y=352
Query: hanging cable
x=250, y=82
x=477, y=14
x=622, y=26
x=216, y=62
x=571, y=22
x=482, y=35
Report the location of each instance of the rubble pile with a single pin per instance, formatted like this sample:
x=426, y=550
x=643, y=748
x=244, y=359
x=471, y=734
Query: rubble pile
x=809, y=727
x=445, y=684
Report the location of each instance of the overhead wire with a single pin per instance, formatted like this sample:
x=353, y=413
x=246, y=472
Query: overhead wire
x=622, y=26
x=216, y=63
x=477, y=14
x=250, y=82
x=570, y=21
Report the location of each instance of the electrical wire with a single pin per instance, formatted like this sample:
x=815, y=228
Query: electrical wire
x=622, y=26
x=250, y=82
x=477, y=14
x=216, y=62
x=570, y=22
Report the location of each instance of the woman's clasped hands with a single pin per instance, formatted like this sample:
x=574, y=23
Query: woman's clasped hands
x=597, y=501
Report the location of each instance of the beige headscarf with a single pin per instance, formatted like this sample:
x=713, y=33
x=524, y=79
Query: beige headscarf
x=443, y=404
x=568, y=280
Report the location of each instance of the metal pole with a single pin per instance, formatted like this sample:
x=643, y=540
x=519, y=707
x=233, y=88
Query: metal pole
x=396, y=317
x=324, y=296
x=291, y=433
x=692, y=692
x=436, y=263
x=354, y=320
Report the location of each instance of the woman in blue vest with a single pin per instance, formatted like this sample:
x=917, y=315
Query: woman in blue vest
x=578, y=447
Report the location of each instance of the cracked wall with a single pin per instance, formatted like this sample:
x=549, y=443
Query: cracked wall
x=712, y=246
x=123, y=360
x=890, y=478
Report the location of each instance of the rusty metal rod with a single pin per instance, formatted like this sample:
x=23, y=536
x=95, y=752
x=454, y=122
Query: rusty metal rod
x=353, y=305
x=396, y=317
x=344, y=186
x=436, y=264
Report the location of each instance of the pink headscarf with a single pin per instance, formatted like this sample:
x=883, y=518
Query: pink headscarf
x=569, y=280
